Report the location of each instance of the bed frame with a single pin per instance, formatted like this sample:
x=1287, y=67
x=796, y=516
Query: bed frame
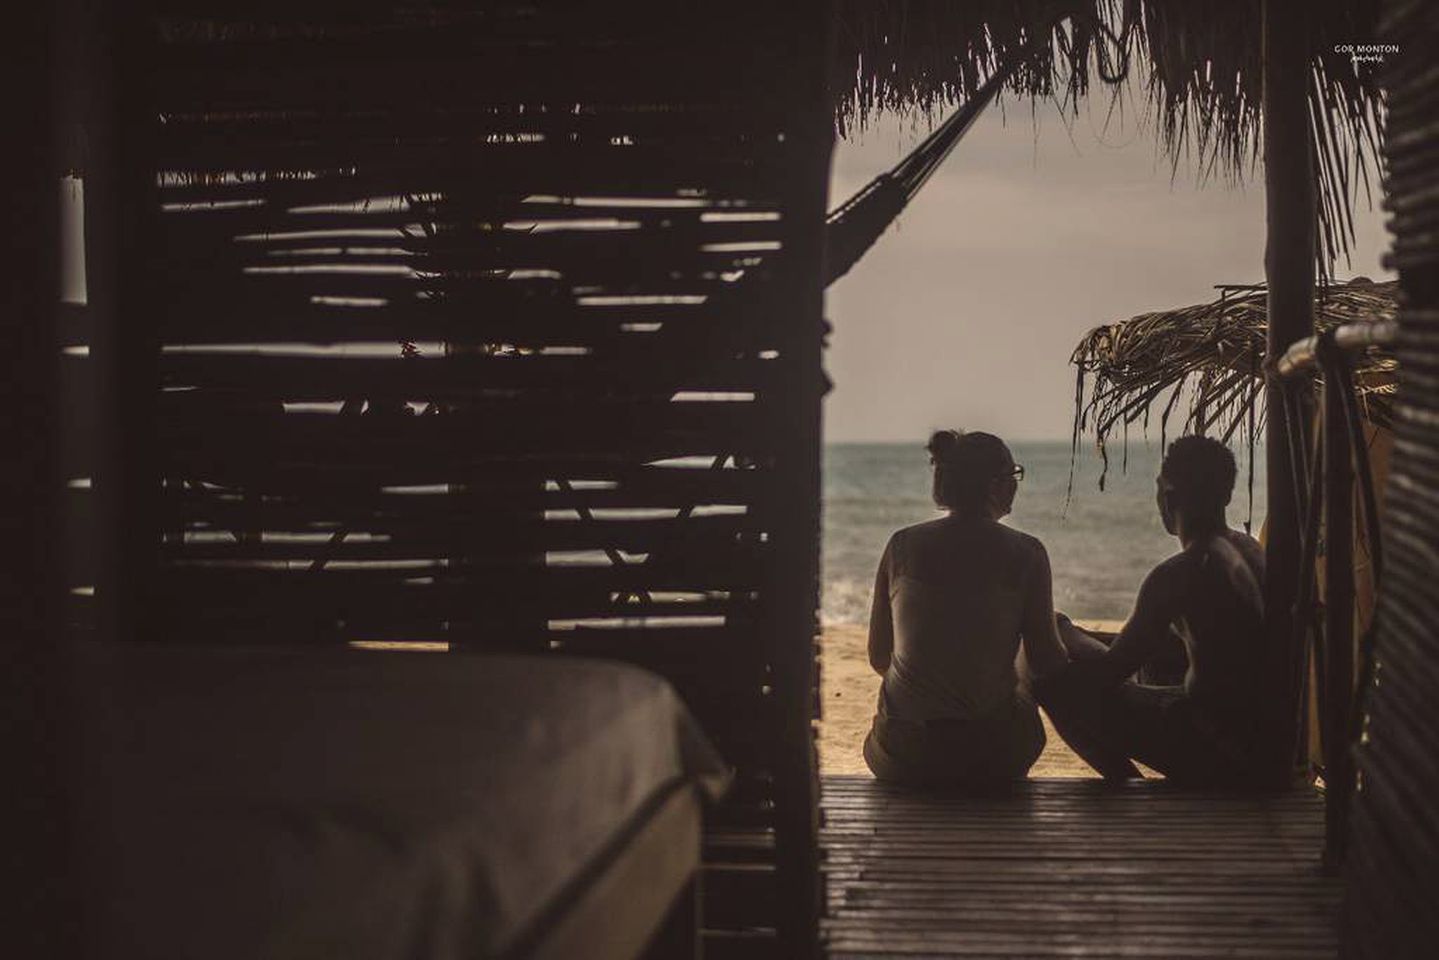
x=641, y=898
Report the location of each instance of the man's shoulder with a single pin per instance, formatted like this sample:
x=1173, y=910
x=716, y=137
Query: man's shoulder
x=1175, y=563
x=1172, y=572
x=1232, y=550
x=1248, y=547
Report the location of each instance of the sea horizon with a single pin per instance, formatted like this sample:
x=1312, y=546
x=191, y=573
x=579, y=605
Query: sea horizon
x=1101, y=543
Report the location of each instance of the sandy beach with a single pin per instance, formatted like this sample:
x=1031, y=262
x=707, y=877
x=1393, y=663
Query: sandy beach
x=849, y=687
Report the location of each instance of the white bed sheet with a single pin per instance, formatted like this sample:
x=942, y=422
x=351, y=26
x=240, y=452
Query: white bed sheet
x=255, y=804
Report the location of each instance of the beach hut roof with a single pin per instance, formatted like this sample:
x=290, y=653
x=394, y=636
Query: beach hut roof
x=1196, y=66
x=1207, y=361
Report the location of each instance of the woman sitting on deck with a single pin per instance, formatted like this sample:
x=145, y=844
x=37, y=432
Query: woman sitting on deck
x=953, y=599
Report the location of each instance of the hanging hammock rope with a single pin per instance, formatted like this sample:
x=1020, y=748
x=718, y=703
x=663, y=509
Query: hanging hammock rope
x=855, y=225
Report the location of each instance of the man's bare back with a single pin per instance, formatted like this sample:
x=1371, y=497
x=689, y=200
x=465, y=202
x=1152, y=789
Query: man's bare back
x=1211, y=595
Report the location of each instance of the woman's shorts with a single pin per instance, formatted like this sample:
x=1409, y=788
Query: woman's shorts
x=998, y=746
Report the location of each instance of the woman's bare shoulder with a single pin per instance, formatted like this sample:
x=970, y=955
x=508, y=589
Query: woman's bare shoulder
x=994, y=536
x=1025, y=542
x=922, y=531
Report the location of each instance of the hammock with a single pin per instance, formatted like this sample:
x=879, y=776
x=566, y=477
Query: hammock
x=854, y=226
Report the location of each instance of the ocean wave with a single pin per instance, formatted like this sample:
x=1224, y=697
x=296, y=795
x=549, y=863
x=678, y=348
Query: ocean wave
x=845, y=601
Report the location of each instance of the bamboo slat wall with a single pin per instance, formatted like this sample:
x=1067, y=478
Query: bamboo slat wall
x=497, y=325
x=1393, y=872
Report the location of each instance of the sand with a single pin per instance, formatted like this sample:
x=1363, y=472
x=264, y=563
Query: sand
x=849, y=687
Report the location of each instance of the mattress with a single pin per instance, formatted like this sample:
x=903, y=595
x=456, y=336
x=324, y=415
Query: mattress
x=249, y=803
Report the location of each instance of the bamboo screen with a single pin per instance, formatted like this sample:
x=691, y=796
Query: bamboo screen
x=497, y=326
x=1393, y=860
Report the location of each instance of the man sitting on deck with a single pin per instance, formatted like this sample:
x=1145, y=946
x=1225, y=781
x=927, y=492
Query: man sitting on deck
x=1209, y=729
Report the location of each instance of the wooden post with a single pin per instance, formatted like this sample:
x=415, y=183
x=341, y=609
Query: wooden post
x=101, y=238
x=1289, y=189
x=120, y=204
x=793, y=650
x=34, y=667
x=1338, y=611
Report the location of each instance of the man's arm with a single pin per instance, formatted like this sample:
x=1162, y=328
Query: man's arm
x=1042, y=647
x=881, y=624
x=1148, y=628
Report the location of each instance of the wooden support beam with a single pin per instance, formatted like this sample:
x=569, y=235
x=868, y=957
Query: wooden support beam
x=1289, y=186
x=1338, y=612
x=37, y=738
x=120, y=209
x=792, y=642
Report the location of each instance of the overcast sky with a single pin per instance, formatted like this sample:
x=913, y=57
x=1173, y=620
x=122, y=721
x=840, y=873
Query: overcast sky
x=965, y=313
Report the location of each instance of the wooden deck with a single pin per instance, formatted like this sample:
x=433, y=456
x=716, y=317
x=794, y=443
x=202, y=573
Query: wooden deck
x=1072, y=868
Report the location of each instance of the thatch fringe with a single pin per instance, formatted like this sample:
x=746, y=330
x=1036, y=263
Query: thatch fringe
x=1200, y=62
x=1213, y=354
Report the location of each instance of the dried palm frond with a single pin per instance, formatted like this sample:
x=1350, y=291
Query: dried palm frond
x=1200, y=61
x=1213, y=355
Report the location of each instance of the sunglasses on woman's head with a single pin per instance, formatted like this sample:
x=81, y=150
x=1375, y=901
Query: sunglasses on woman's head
x=1017, y=473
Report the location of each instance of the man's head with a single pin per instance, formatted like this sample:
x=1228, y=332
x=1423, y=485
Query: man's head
x=974, y=473
x=1195, y=482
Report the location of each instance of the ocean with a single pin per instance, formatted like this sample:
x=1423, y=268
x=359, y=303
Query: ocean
x=1101, y=543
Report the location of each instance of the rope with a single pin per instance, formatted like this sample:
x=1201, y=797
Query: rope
x=855, y=225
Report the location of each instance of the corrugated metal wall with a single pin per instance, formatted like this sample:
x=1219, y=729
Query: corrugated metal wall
x=1392, y=907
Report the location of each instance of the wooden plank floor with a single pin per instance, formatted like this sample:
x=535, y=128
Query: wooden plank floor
x=1074, y=868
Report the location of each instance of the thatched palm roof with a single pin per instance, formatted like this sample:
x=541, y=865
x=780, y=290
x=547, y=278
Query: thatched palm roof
x=1211, y=355
x=1200, y=61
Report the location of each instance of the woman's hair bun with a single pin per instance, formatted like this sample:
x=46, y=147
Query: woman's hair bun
x=943, y=444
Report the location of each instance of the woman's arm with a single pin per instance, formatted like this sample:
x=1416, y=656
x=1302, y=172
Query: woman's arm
x=1042, y=647
x=881, y=623
x=1081, y=644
